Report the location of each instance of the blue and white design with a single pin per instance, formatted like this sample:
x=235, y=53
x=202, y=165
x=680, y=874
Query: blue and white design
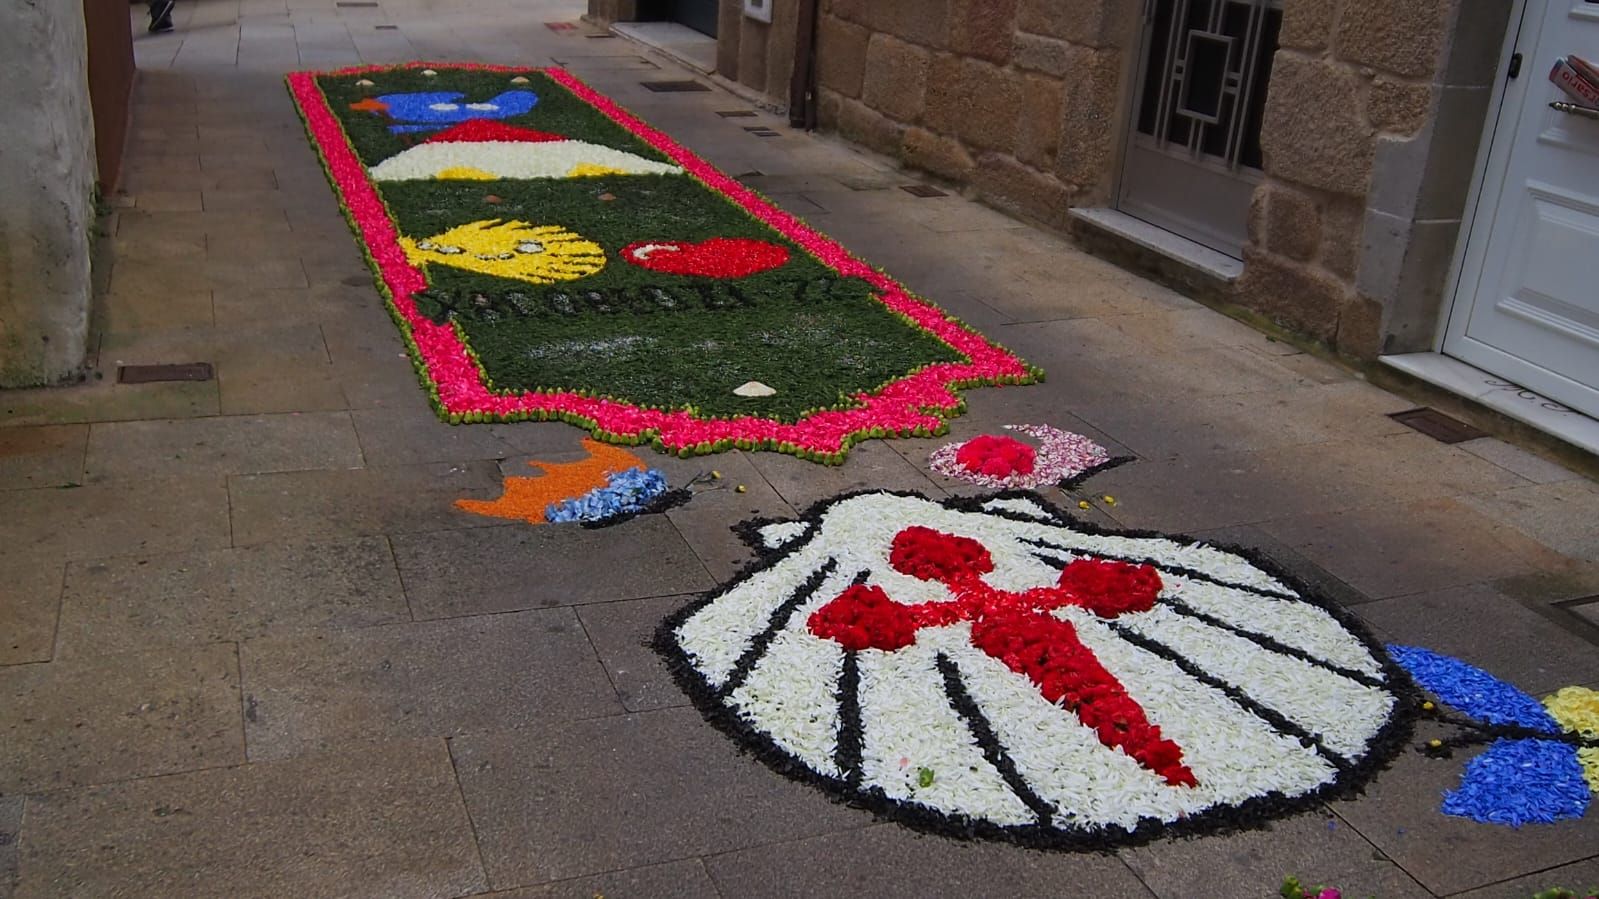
x=432, y=110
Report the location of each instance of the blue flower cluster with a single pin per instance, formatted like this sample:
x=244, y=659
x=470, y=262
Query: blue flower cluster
x=1514, y=781
x=625, y=493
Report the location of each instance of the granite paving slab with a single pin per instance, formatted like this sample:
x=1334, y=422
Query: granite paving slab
x=511, y=567
x=304, y=505
x=673, y=880
x=229, y=444
x=114, y=518
x=28, y=614
x=624, y=792
x=118, y=717
x=621, y=633
x=1399, y=815
x=1526, y=648
x=385, y=822
x=888, y=861
x=325, y=690
x=228, y=595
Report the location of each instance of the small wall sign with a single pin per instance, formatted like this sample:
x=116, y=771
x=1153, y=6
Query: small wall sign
x=759, y=10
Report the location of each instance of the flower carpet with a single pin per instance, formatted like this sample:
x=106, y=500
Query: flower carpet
x=991, y=667
x=549, y=256
x=1060, y=459
x=609, y=485
x=1541, y=764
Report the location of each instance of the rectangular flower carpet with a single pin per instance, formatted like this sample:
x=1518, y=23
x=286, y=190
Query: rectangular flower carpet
x=549, y=256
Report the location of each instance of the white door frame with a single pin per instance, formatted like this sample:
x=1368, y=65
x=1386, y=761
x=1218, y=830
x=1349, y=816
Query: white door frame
x=1492, y=161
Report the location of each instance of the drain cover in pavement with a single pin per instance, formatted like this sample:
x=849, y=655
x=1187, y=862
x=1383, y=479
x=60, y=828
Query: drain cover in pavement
x=1437, y=425
x=673, y=87
x=923, y=190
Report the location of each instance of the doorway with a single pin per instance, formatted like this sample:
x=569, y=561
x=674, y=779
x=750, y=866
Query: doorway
x=1193, y=155
x=1525, y=307
x=699, y=15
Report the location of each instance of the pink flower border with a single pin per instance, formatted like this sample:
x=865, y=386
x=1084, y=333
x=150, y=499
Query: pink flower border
x=912, y=405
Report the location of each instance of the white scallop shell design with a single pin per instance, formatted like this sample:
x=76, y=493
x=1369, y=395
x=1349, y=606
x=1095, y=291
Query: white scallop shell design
x=1273, y=700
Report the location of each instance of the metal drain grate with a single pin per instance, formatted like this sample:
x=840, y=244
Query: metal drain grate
x=150, y=374
x=736, y=113
x=762, y=131
x=1437, y=425
x=922, y=190
x=386, y=27
x=356, y=4
x=674, y=87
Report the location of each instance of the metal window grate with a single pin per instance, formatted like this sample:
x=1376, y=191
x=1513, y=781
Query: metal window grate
x=1204, y=78
x=150, y=374
x=673, y=87
x=1437, y=425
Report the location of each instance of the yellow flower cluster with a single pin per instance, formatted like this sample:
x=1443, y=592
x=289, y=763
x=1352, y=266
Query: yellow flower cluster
x=1577, y=710
x=537, y=254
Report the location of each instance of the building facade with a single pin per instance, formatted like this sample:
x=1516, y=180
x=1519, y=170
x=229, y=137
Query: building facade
x=66, y=79
x=1384, y=177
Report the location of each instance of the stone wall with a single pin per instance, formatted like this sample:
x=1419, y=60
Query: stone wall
x=47, y=176
x=982, y=91
x=607, y=11
x=1371, y=132
x=1373, y=121
x=758, y=55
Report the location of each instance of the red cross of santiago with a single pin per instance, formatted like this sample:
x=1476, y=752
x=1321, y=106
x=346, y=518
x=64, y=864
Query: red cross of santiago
x=1017, y=629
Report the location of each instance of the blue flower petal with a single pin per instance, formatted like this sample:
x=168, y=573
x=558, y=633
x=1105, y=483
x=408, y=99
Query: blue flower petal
x=625, y=492
x=1472, y=690
x=1518, y=782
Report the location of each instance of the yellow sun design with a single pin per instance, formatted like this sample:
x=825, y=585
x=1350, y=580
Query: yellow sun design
x=538, y=254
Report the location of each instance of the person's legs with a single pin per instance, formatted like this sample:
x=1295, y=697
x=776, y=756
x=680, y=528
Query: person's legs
x=160, y=15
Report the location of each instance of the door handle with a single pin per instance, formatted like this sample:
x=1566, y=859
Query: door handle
x=1587, y=112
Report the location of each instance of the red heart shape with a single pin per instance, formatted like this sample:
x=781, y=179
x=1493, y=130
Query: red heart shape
x=719, y=257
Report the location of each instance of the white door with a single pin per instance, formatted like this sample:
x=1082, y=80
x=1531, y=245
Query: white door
x=1527, y=307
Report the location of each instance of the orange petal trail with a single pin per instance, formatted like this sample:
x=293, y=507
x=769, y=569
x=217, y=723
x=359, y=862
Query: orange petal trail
x=525, y=499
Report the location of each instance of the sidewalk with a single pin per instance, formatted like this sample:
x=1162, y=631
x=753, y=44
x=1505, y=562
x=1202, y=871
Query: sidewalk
x=250, y=648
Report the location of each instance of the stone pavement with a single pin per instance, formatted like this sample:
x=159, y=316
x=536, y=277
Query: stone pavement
x=248, y=647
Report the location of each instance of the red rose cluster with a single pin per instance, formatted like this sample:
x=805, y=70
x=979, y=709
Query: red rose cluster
x=996, y=456
x=865, y=618
x=1048, y=651
x=929, y=555
x=1109, y=588
x=1018, y=630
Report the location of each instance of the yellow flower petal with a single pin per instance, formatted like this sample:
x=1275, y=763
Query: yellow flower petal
x=1577, y=710
x=464, y=173
x=589, y=170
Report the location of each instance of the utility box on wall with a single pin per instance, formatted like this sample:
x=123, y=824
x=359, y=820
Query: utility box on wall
x=759, y=10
